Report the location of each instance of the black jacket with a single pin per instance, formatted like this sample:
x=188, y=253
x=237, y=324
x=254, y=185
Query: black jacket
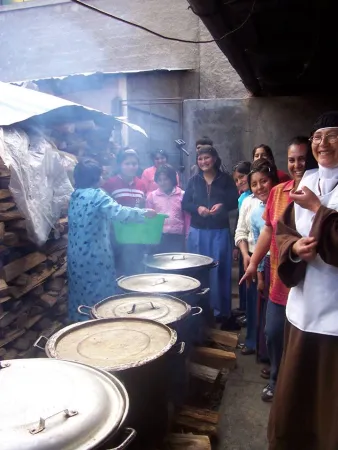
x=222, y=190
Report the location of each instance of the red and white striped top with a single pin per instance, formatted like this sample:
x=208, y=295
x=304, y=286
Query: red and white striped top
x=131, y=194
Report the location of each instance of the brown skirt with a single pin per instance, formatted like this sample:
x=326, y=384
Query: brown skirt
x=304, y=413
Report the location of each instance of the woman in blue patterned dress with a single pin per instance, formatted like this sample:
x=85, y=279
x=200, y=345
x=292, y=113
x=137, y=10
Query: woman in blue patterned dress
x=91, y=268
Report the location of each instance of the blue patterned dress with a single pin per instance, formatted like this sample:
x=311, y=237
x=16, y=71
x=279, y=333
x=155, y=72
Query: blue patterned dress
x=91, y=268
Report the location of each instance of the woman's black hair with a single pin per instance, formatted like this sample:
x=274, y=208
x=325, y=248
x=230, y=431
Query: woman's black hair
x=87, y=173
x=124, y=154
x=169, y=171
x=159, y=152
x=210, y=150
x=242, y=167
x=310, y=161
x=268, y=151
x=204, y=140
x=265, y=167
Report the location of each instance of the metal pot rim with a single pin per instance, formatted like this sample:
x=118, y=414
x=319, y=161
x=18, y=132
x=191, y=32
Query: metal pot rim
x=51, y=344
x=149, y=261
x=96, y=315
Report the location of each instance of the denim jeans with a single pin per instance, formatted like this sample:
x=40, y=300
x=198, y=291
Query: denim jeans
x=251, y=316
x=274, y=332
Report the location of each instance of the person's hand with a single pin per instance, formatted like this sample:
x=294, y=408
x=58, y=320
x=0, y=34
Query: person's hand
x=306, y=199
x=246, y=261
x=260, y=285
x=305, y=248
x=150, y=213
x=216, y=209
x=235, y=254
x=250, y=274
x=203, y=211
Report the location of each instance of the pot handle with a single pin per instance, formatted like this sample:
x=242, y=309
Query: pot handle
x=84, y=313
x=199, y=310
x=214, y=264
x=133, y=309
x=203, y=292
x=131, y=436
x=178, y=258
x=180, y=346
x=37, y=342
x=42, y=422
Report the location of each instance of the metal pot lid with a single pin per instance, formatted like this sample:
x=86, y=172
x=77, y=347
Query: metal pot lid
x=177, y=261
x=163, y=308
x=112, y=344
x=49, y=404
x=168, y=283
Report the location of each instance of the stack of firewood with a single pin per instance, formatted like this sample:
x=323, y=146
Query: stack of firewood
x=33, y=283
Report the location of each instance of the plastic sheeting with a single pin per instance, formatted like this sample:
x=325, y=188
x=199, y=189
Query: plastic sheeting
x=39, y=181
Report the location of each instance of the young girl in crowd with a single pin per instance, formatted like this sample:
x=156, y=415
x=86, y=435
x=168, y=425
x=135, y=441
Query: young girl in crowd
x=167, y=199
x=240, y=175
x=127, y=190
x=261, y=178
x=159, y=158
x=263, y=151
x=90, y=256
x=209, y=197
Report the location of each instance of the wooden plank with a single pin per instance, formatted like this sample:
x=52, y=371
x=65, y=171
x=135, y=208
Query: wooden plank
x=5, y=193
x=223, y=337
x=5, y=206
x=203, y=373
x=11, y=337
x=62, y=271
x=196, y=426
x=10, y=215
x=47, y=301
x=2, y=231
x=22, y=280
x=15, y=268
x=36, y=280
x=5, y=299
x=177, y=441
x=204, y=415
x=17, y=224
x=4, y=288
x=213, y=357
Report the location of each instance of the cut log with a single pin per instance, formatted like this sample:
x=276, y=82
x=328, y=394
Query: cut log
x=6, y=319
x=32, y=321
x=22, y=280
x=10, y=215
x=204, y=415
x=62, y=271
x=11, y=337
x=213, y=357
x=15, y=268
x=204, y=373
x=5, y=193
x=177, y=441
x=21, y=344
x=223, y=337
x=17, y=224
x=39, y=290
x=2, y=231
x=55, y=284
x=11, y=354
x=5, y=206
x=4, y=288
x=11, y=239
x=47, y=301
x=196, y=426
x=5, y=299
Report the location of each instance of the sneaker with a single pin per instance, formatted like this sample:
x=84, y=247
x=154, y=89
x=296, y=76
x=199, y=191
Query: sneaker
x=267, y=394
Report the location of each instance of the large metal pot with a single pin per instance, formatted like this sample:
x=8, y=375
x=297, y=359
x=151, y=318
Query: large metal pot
x=57, y=405
x=185, y=263
x=136, y=351
x=163, y=308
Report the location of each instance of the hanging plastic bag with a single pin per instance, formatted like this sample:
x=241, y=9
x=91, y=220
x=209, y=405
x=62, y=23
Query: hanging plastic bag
x=39, y=181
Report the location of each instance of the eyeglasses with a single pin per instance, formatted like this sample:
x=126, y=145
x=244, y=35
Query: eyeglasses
x=331, y=138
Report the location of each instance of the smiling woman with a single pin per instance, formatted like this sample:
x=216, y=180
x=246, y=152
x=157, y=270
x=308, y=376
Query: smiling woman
x=308, y=247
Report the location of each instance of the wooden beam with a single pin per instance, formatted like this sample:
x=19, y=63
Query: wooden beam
x=177, y=441
x=213, y=357
x=5, y=193
x=204, y=415
x=223, y=337
x=204, y=373
x=17, y=267
x=195, y=426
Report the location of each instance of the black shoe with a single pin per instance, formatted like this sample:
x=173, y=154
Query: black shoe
x=267, y=394
x=230, y=325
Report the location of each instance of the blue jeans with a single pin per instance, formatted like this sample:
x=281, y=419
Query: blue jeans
x=274, y=332
x=251, y=316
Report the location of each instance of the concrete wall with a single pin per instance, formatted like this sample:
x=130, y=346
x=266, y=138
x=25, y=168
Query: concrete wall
x=237, y=126
x=50, y=38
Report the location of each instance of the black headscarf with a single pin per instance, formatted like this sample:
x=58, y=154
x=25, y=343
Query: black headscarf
x=326, y=120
